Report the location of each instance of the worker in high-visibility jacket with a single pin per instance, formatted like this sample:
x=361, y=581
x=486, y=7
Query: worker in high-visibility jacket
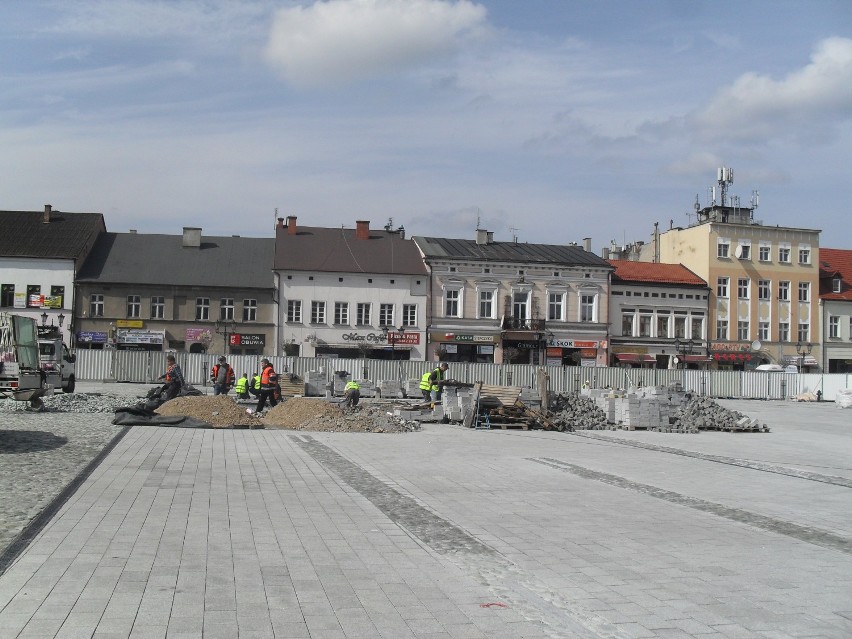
x=241, y=387
x=268, y=385
x=254, y=385
x=352, y=393
x=432, y=382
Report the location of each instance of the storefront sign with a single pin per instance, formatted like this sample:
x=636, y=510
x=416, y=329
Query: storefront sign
x=92, y=337
x=463, y=338
x=575, y=343
x=247, y=339
x=51, y=301
x=372, y=338
x=588, y=352
x=199, y=335
x=404, y=338
x=729, y=346
x=20, y=300
x=131, y=336
x=126, y=323
x=35, y=300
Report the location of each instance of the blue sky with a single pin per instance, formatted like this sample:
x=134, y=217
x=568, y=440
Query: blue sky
x=546, y=120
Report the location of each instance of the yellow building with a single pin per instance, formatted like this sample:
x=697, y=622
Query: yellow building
x=764, y=285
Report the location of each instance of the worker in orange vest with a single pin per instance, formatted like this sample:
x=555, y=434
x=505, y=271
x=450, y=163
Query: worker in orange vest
x=268, y=385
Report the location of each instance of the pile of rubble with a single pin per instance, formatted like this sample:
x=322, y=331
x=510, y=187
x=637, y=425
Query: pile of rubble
x=577, y=412
x=220, y=411
x=703, y=413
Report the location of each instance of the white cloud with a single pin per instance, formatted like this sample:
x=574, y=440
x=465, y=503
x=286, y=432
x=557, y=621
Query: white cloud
x=806, y=103
x=339, y=41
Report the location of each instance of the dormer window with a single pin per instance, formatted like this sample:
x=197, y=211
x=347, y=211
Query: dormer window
x=836, y=284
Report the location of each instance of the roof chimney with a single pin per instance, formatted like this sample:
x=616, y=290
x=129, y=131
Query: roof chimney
x=362, y=229
x=191, y=237
x=605, y=252
x=587, y=244
x=291, y=225
x=481, y=236
x=280, y=224
x=47, y=209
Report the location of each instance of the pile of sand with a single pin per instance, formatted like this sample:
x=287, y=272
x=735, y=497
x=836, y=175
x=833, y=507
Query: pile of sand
x=297, y=413
x=219, y=410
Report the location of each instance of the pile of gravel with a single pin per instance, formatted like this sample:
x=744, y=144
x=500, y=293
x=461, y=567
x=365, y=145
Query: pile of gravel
x=72, y=403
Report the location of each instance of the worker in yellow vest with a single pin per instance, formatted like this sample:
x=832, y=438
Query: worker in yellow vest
x=241, y=387
x=432, y=382
x=352, y=393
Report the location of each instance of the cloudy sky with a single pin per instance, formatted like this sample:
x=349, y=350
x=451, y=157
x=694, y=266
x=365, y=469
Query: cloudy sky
x=546, y=120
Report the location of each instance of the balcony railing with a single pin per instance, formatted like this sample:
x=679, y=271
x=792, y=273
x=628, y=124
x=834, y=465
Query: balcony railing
x=522, y=324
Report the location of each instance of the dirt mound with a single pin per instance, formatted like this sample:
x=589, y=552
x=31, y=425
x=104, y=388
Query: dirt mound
x=300, y=413
x=219, y=410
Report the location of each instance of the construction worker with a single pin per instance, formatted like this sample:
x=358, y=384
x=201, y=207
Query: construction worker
x=254, y=385
x=222, y=376
x=268, y=385
x=432, y=382
x=352, y=393
x=174, y=379
x=241, y=387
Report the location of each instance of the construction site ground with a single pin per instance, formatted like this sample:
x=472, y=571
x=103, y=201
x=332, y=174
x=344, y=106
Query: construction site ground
x=449, y=532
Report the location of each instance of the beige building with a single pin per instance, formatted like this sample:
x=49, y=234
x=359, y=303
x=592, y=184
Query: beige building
x=764, y=285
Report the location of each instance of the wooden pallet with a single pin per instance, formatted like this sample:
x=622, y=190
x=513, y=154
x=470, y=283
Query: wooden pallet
x=291, y=388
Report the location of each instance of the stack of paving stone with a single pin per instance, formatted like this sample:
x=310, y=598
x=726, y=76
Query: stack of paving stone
x=412, y=388
x=389, y=388
x=456, y=401
x=703, y=413
x=315, y=383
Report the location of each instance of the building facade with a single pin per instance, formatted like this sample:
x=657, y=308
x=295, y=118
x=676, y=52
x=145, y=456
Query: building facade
x=658, y=316
x=836, y=309
x=350, y=293
x=511, y=302
x=40, y=256
x=183, y=293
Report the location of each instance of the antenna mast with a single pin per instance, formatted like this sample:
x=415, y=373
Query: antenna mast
x=724, y=178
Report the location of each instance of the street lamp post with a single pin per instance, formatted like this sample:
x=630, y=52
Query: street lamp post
x=44, y=319
x=683, y=349
x=802, y=350
x=226, y=328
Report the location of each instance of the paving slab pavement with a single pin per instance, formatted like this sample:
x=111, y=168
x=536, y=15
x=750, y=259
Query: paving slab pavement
x=452, y=533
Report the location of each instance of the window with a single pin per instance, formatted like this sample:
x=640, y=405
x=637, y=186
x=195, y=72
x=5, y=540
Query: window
x=721, y=329
x=804, y=254
x=783, y=331
x=722, y=286
x=386, y=315
x=249, y=310
x=723, y=248
x=555, y=306
x=34, y=296
x=644, y=326
x=362, y=314
x=834, y=326
x=784, y=253
x=745, y=250
x=519, y=305
x=96, y=305
x=742, y=330
x=662, y=325
x=317, y=312
x=697, y=328
x=486, y=304
x=743, y=288
x=836, y=285
x=409, y=314
x=783, y=291
x=226, y=308
x=804, y=334
x=158, y=307
x=7, y=295
x=763, y=331
x=764, y=252
x=451, y=303
x=764, y=289
x=804, y=291
x=294, y=311
x=587, y=307
x=134, y=306
x=341, y=313
x=58, y=293
x=202, y=308
x=680, y=327
x=627, y=324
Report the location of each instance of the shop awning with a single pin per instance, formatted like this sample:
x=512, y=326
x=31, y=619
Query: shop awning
x=635, y=357
x=697, y=359
x=522, y=336
x=795, y=360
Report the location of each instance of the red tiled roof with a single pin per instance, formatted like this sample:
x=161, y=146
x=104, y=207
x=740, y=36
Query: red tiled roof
x=831, y=262
x=628, y=271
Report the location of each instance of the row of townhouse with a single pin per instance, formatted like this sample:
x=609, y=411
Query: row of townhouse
x=362, y=292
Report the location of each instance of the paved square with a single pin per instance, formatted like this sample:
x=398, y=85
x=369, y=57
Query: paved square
x=452, y=533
